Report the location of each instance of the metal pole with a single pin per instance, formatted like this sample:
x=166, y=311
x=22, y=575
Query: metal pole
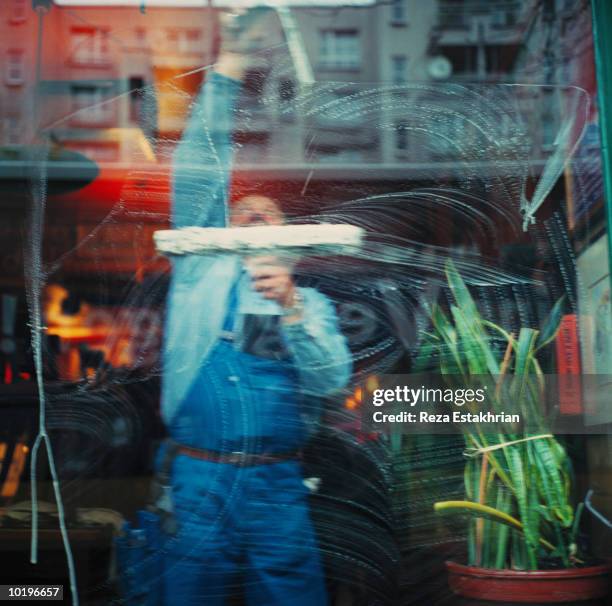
x=602, y=40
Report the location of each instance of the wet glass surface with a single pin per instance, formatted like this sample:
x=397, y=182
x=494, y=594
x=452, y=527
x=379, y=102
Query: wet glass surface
x=463, y=132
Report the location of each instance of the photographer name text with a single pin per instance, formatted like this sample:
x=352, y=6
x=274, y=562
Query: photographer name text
x=410, y=396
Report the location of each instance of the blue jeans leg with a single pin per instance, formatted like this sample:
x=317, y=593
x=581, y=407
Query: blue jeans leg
x=201, y=560
x=283, y=561
x=248, y=525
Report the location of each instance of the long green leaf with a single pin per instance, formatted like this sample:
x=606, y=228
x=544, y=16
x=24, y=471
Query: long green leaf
x=522, y=363
x=551, y=324
x=460, y=291
x=524, y=351
x=519, y=478
x=474, y=344
x=448, y=334
x=501, y=549
x=485, y=511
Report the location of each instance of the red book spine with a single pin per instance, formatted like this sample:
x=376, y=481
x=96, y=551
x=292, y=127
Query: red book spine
x=569, y=366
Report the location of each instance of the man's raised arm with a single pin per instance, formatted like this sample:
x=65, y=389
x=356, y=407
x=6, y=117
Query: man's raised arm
x=202, y=160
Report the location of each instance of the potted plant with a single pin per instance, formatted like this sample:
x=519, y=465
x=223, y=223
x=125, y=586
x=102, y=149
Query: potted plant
x=523, y=526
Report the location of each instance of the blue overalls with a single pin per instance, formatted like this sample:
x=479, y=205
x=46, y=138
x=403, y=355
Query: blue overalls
x=241, y=526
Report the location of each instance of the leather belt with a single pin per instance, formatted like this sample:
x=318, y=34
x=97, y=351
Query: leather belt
x=245, y=459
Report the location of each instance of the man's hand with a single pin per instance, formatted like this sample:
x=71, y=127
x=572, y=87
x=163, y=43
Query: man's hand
x=272, y=278
x=231, y=65
x=243, y=34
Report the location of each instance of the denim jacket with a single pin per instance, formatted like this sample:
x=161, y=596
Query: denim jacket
x=199, y=289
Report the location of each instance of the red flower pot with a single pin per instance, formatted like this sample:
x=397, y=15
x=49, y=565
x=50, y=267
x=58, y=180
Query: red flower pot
x=541, y=586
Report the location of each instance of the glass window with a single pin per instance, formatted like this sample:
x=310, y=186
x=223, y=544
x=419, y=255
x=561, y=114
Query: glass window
x=12, y=131
x=401, y=137
x=184, y=40
x=135, y=86
x=19, y=10
x=89, y=46
x=499, y=58
x=286, y=90
x=452, y=15
x=140, y=36
x=398, y=11
x=15, y=67
x=466, y=138
x=90, y=105
x=503, y=17
x=339, y=156
x=463, y=58
x=399, y=65
x=339, y=49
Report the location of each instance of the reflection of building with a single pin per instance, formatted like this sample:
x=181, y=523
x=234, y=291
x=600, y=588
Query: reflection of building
x=480, y=38
x=18, y=51
x=107, y=70
x=556, y=49
x=97, y=60
x=102, y=69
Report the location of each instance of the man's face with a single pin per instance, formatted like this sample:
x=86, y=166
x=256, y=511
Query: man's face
x=256, y=210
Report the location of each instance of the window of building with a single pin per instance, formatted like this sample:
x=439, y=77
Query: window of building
x=184, y=40
x=398, y=12
x=503, y=18
x=452, y=17
x=500, y=58
x=401, y=137
x=136, y=86
x=90, y=46
x=15, y=67
x=339, y=49
x=463, y=58
x=286, y=95
x=340, y=156
x=91, y=106
x=18, y=11
x=11, y=130
x=286, y=90
x=140, y=37
x=399, y=63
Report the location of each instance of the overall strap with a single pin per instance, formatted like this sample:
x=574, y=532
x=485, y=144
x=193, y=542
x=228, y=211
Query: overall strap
x=232, y=306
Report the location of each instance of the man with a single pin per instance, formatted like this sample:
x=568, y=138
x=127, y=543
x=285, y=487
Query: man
x=235, y=406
